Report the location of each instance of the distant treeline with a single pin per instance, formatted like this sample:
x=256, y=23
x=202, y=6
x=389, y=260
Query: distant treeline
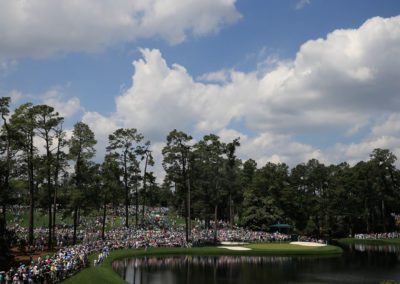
x=42, y=168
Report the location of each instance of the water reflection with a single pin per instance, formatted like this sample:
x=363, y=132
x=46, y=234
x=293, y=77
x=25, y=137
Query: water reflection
x=376, y=248
x=355, y=266
x=181, y=261
x=193, y=269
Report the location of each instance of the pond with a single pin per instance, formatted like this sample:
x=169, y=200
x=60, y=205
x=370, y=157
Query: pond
x=358, y=264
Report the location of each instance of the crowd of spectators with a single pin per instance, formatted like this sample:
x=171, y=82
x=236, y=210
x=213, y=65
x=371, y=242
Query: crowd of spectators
x=61, y=265
x=156, y=231
x=377, y=236
x=69, y=260
x=310, y=239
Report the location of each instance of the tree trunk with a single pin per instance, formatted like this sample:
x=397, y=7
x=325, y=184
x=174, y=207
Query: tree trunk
x=351, y=229
x=188, y=208
x=54, y=210
x=126, y=192
x=78, y=187
x=79, y=215
x=50, y=236
x=56, y=173
x=3, y=221
x=186, y=200
x=31, y=214
x=104, y=218
x=6, y=188
x=367, y=216
x=144, y=187
x=383, y=216
x=31, y=191
x=49, y=185
x=215, y=223
x=136, y=204
x=186, y=226
x=3, y=218
x=75, y=224
x=230, y=211
x=318, y=224
x=126, y=207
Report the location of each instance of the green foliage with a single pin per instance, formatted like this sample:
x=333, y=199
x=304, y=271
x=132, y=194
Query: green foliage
x=123, y=144
x=81, y=150
x=176, y=163
x=204, y=180
x=263, y=197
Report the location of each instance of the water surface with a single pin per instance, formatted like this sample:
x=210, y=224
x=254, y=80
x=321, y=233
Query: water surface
x=358, y=264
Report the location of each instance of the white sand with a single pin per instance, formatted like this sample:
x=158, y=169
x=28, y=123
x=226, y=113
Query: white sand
x=233, y=243
x=308, y=244
x=235, y=248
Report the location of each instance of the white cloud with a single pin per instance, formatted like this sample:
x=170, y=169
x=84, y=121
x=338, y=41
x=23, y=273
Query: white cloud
x=102, y=127
x=44, y=27
x=228, y=135
x=302, y=3
x=221, y=76
x=340, y=84
x=15, y=96
x=277, y=148
x=335, y=82
x=157, y=156
x=388, y=127
x=55, y=98
x=355, y=152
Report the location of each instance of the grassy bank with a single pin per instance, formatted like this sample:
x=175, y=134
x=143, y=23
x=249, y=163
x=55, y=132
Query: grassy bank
x=105, y=274
x=352, y=241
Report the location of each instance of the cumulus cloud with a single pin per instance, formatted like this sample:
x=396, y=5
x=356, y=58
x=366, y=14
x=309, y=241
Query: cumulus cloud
x=221, y=76
x=276, y=148
x=66, y=108
x=102, y=127
x=56, y=97
x=390, y=126
x=336, y=85
x=44, y=27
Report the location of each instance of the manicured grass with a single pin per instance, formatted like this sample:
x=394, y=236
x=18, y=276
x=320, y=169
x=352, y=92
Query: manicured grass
x=40, y=218
x=105, y=274
x=351, y=241
x=288, y=249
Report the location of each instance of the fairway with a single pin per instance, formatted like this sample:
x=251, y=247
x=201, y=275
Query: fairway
x=279, y=247
x=291, y=249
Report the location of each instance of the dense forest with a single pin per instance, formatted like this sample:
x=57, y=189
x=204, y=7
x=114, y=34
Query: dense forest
x=41, y=168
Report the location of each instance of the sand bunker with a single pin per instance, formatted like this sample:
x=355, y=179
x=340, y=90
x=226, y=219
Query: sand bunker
x=308, y=244
x=235, y=248
x=233, y=243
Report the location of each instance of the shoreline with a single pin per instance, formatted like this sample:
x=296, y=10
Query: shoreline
x=351, y=241
x=104, y=273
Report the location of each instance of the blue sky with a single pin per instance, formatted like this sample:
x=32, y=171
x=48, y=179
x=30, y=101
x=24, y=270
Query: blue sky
x=270, y=72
